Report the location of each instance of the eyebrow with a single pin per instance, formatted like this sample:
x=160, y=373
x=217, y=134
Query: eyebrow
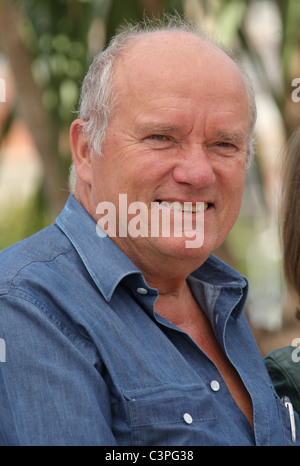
x=157, y=128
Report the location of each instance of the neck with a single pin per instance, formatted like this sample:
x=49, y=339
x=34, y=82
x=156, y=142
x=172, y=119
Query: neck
x=175, y=302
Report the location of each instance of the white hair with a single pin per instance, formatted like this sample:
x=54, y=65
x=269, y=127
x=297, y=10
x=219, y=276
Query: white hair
x=98, y=94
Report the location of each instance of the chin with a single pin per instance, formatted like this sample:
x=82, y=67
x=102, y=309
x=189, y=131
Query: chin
x=184, y=249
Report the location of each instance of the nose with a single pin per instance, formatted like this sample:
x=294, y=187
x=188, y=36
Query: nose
x=195, y=168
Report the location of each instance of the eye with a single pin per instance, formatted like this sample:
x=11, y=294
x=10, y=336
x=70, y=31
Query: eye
x=226, y=145
x=159, y=137
x=159, y=141
x=224, y=148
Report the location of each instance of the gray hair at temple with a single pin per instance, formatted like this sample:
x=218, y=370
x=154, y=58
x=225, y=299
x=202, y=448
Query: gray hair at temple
x=98, y=94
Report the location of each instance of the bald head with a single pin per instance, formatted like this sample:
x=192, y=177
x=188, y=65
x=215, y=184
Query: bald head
x=181, y=59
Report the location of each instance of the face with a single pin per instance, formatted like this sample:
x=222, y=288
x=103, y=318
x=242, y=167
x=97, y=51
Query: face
x=178, y=134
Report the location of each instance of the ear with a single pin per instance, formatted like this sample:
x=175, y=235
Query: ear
x=81, y=152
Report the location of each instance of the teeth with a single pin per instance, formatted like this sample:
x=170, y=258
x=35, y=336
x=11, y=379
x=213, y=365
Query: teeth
x=186, y=206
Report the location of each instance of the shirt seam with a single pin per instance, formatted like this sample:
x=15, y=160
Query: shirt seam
x=38, y=261
x=22, y=294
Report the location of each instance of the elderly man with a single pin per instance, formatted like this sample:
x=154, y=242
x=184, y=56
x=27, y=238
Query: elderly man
x=131, y=336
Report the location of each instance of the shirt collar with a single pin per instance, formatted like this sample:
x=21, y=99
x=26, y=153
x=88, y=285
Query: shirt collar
x=105, y=262
x=220, y=290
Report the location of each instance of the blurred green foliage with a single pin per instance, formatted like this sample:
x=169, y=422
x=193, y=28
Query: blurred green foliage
x=55, y=34
x=23, y=220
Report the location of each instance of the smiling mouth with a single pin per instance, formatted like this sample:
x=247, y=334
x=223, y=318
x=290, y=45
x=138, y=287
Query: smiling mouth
x=193, y=207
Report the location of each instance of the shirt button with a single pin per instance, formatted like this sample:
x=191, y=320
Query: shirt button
x=214, y=385
x=187, y=418
x=142, y=290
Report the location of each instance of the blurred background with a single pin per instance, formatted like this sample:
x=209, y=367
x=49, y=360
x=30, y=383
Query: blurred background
x=45, y=50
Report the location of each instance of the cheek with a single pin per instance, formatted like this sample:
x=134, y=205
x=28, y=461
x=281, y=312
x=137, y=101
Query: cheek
x=105, y=179
x=234, y=178
x=235, y=194
x=239, y=184
x=233, y=187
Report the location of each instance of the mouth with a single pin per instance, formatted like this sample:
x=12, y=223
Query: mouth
x=186, y=206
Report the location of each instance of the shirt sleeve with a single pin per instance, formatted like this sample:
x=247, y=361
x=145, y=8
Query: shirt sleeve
x=51, y=388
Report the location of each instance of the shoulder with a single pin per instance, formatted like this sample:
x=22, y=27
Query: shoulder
x=31, y=255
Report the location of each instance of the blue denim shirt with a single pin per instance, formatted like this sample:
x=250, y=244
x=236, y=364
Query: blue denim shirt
x=89, y=362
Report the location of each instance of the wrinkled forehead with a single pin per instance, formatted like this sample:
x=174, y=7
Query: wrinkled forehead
x=164, y=58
